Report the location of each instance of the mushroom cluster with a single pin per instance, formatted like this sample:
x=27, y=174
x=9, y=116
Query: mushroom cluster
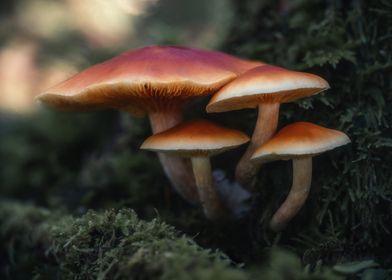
x=160, y=80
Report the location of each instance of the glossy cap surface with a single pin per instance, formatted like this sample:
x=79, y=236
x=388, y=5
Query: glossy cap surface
x=195, y=138
x=300, y=139
x=265, y=84
x=147, y=79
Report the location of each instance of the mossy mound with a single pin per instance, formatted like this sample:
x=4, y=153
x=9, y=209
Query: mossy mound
x=40, y=244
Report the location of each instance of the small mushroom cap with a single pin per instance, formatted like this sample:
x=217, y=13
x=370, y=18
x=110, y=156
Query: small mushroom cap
x=265, y=84
x=195, y=138
x=300, y=139
x=147, y=79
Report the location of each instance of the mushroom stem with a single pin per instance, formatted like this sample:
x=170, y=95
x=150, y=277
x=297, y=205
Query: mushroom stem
x=208, y=194
x=302, y=179
x=163, y=120
x=177, y=169
x=267, y=122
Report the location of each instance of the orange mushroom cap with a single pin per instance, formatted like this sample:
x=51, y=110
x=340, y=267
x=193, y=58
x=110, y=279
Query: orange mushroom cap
x=195, y=138
x=147, y=79
x=300, y=139
x=265, y=84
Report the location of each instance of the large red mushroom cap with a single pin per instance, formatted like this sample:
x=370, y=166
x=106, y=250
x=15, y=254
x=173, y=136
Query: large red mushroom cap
x=154, y=78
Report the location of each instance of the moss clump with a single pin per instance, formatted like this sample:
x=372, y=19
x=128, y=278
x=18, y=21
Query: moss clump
x=108, y=245
x=118, y=245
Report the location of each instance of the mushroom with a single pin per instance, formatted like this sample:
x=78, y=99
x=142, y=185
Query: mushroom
x=300, y=142
x=199, y=140
x=157, y=80
x=264, y=87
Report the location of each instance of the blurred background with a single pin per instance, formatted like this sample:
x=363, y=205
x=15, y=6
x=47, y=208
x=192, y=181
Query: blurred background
x=69, y=163
x=44, y=42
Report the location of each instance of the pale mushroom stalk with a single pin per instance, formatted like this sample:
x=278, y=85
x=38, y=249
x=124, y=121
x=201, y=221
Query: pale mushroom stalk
x=177, y=169
x=163, y=120
x=199, y=140
x=208, y=194
x=298, y=142
x=302, y=180
x=267, y=122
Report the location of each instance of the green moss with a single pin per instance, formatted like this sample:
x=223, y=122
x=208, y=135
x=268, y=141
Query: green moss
x=118, y=245
x=349, y=44
x=110, y=245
